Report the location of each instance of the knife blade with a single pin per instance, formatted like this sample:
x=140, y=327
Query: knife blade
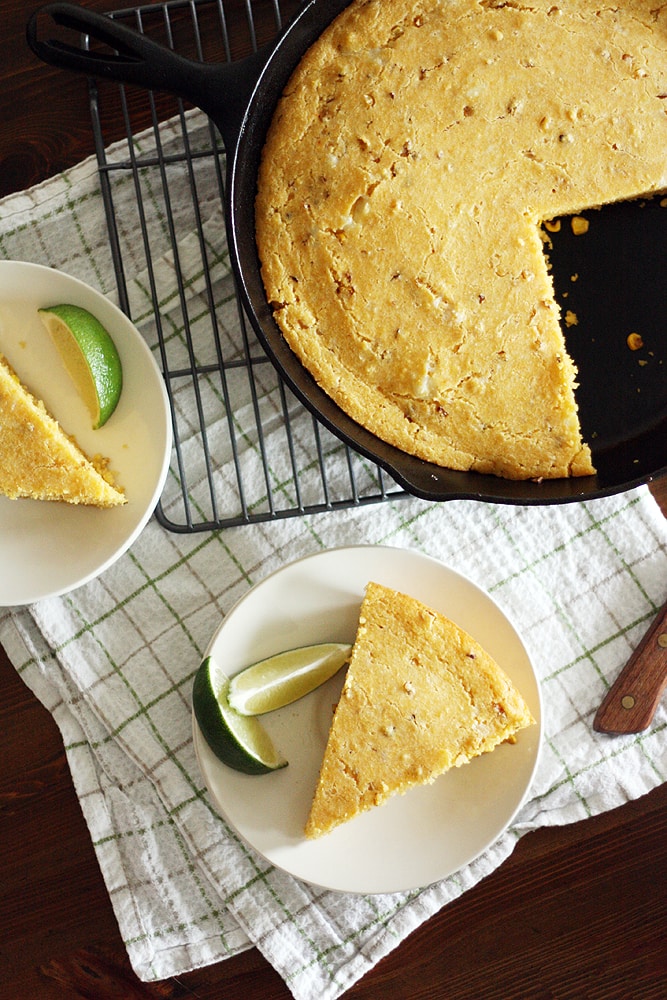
x=630, y=703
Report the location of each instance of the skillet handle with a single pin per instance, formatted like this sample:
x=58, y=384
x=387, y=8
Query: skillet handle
x=138, y=60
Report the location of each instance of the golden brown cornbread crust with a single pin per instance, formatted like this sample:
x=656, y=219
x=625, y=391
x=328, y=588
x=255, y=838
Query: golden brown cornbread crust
x=420, y=696
x=38, y=460
x=411, y=160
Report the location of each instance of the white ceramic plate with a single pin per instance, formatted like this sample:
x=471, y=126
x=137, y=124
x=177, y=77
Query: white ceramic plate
x=51, y=548
x=414, y=839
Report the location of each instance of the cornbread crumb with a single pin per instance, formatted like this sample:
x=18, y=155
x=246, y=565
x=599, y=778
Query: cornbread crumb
x=579, y=225
x=390, y=733
x=634, y=341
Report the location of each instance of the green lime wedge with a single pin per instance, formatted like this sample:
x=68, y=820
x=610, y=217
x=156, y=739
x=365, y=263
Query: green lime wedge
x=89, y=355
x=281, y=679
x=239, y=742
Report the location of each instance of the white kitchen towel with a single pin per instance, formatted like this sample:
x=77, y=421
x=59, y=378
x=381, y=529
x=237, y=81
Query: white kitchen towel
x=114, y=661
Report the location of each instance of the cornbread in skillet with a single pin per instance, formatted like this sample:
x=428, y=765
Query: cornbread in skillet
x=38, y=460
x=420, y=696
x=411, y=161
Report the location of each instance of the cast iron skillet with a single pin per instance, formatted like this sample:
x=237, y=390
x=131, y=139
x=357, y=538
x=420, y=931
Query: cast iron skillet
x=620, y=265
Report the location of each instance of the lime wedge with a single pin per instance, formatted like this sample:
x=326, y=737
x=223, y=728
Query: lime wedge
x=281, y=679
x=239, y=742
x=89, y=355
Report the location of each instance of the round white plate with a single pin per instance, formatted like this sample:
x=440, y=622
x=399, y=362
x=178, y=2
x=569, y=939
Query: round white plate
x=414, y=839
x=50, y=548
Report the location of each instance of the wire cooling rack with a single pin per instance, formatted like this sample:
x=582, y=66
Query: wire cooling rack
x=245, y=449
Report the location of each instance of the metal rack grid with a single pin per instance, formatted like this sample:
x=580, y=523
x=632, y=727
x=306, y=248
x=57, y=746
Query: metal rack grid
x=245, y=449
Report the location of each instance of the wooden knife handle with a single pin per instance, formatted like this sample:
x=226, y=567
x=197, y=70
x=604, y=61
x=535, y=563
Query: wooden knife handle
x=632, y=700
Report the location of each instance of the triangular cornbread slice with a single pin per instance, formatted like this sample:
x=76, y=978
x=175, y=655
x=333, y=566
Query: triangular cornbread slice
x=37, y=459
x=420, y=696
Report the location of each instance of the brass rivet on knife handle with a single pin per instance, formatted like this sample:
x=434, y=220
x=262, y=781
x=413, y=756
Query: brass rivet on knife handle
x=631, y=702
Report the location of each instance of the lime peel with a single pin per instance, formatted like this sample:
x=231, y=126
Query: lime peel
x=240, y=742
x=89, y=355
x=281, y=679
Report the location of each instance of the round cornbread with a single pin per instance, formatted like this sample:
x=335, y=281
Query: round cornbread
x=411, y=161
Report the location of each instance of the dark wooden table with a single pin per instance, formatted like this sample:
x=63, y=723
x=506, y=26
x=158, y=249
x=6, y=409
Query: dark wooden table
x=578, y=912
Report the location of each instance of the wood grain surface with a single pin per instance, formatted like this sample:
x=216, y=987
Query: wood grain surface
x=576, y=912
